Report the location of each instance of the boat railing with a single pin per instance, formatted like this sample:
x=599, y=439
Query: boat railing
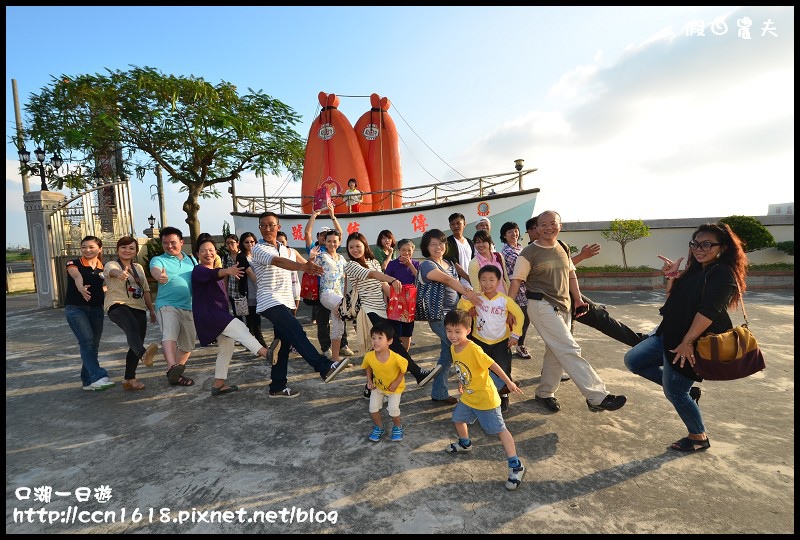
x=411, y=196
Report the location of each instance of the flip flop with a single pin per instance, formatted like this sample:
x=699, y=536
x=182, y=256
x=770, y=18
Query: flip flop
x=174, y=373
x=219, y=391
x=691, y=445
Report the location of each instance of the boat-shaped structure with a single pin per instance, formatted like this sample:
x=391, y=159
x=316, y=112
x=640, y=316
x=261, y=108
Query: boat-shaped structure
x=500, y=197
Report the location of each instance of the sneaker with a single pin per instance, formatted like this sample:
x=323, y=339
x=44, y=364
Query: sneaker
x=336, y=368
x=503, y=403
x=100, y=385
x=457, y=447
x=610, y=403
x=327, y=353
x=564, y=377
x=272, y=357
x=397, y=434
x=285, y=393
x=377, y=433
x=293, y=351
x=515, y=477
x=549, y=402
x=108, y=383
x=149, y=354
x=346, y=351
x=522, y=352
x=426, y=375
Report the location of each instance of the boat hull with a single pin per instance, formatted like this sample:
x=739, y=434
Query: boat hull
x=410, y=221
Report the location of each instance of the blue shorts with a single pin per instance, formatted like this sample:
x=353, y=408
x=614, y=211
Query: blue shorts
x=491, y=421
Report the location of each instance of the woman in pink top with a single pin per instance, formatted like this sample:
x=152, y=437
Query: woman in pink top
x=484, y=254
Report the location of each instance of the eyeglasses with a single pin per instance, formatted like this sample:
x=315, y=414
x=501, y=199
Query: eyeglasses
x=268, y=225
x=703, y=246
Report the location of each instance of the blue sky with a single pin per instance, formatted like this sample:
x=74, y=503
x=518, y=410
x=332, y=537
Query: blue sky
x=624, y=115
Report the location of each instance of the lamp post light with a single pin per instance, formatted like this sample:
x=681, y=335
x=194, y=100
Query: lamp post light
x=56, y=162
x=152, y=221
x=518, y=165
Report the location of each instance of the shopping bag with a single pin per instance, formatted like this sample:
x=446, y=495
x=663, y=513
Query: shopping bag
x=309, y=289
x=322, y=198
x=402, y=306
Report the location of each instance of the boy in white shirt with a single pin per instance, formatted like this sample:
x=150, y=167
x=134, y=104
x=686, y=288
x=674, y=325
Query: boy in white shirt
x=491, y=328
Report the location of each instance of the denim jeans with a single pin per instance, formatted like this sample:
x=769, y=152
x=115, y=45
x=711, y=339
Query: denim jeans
x=648, y=360
x=439, y=386
x=86, y=322
x=289, y=330
x=134, y=323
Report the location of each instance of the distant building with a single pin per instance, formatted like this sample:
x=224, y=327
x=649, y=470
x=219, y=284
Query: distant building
x=785, y=209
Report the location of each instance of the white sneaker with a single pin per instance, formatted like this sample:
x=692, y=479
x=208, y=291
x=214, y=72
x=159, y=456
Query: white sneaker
x=100, y=385
x=522, y=351
x=515, y=477
x=327, y=353
x=346, y=351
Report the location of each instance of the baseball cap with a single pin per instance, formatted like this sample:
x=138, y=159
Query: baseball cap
x=324, y=229
x=486, y=219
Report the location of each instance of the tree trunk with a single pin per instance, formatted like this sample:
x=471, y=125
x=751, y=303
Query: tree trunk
x=192, y=209
x=624, y=259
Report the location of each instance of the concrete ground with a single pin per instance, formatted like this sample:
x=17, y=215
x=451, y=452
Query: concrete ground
x=177, y=460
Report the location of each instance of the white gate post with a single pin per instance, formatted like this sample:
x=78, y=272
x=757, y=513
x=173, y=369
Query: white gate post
x=39, y=206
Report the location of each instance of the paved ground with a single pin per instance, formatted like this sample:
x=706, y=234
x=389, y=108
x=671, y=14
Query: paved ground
x=176, y=457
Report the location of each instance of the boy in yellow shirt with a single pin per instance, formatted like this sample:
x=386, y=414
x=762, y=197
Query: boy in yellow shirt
x=491, y=328
x=385, y=377
x=479, y=398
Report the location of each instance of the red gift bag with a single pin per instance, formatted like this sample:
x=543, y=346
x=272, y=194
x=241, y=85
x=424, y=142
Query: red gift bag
x=309, y=288
x=322, y=197
x=403, y=305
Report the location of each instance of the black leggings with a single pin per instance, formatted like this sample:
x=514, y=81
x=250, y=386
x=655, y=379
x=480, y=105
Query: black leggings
x=254, y=325
x=134, y=323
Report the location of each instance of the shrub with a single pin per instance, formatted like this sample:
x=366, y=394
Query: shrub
x=752, y=233
x=786, y=247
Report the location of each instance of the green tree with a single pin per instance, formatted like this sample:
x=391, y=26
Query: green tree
x=200, y=134
x=625, y=231
x=752, y=233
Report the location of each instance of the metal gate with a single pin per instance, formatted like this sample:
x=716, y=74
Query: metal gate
x=104, y=211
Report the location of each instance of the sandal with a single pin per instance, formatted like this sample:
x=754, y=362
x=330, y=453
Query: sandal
x=183, y=381
x=691, y=445
x=132, y=384
x=223, y=390
x=174, y=373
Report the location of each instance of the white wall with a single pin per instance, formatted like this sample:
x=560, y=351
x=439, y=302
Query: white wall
x=669, y=238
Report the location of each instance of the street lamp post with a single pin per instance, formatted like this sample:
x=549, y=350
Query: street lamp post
x=518, y=165
x=56, y=162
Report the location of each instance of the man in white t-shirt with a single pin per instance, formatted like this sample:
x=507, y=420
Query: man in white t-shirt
x=460, y=249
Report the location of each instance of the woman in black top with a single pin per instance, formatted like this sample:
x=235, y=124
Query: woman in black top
x=83, y=308
x=697, y=302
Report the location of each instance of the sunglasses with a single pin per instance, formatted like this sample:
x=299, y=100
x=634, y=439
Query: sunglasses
x=703, y=246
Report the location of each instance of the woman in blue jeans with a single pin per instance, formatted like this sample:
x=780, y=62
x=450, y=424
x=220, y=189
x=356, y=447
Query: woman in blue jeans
x=436, y=268
x=697, y=302
x=83, y=308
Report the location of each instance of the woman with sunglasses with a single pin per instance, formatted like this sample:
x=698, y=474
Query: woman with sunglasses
x=697, y=302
